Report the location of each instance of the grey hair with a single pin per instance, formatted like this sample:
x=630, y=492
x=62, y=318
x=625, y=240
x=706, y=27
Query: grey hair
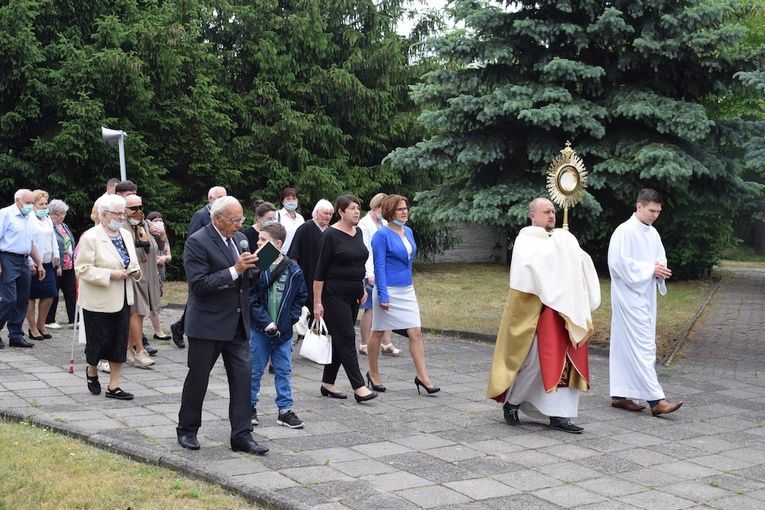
x=220, y=205
x=107, y=203
x=322, y=205
x=57, y=206
x=20, y=193
x=211, y=192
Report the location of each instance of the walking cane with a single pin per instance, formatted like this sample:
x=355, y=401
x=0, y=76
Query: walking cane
x=75, y=332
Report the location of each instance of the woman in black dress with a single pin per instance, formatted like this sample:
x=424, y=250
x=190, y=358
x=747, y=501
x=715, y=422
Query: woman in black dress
x=338, y=289
x=305, y=244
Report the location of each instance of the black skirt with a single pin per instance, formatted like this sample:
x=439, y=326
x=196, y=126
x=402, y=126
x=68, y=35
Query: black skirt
x=106, y=335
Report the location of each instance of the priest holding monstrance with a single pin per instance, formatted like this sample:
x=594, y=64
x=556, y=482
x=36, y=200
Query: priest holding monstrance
x=540, y=359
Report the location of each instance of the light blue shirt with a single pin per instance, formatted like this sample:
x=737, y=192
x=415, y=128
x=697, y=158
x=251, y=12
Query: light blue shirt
x=15, y=234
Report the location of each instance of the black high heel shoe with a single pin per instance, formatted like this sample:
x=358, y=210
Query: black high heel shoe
x=325, y=392
x=431, y=390
x=364, y=399
x=32, y=337
x=93, y=385
x=375, y=387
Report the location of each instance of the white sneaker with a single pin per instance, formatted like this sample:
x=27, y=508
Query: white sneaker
x=103, y=366
x=142, y=359
x=52, y=325
x=131, y=356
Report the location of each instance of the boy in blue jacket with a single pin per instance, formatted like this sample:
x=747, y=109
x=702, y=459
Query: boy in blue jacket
x=275, y=305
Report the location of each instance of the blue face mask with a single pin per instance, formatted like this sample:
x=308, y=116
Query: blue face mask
x=42, y=213
x=399, y=223
x=379, y=216
x=290, y=206
x=26, y=209
x=115, y=225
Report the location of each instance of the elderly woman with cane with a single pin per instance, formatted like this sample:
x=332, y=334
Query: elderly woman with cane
x=106, y=259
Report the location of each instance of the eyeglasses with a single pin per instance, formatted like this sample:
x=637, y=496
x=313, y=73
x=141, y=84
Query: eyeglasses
x=118, y=214
x=234, y=220
x=402, y=209
x=135, y=208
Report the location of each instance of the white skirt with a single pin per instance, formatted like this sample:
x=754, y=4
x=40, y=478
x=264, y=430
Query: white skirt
x=404, y=312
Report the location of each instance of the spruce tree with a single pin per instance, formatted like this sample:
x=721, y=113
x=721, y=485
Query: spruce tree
x=625, y=81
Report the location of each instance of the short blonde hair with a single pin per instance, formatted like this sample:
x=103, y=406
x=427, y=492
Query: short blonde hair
x=377, y=200
x=38, y=193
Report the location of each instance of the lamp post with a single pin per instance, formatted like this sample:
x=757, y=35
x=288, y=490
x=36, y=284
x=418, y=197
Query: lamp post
x=112, y=136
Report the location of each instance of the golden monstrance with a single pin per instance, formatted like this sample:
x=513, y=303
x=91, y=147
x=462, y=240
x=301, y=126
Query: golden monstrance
x=566, y=180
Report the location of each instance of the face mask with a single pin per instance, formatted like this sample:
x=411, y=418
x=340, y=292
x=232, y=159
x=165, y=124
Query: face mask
x=160, y=224
x=26, y=209
x=42, y=213
x=379, y=216
x=134, y=222
x=290, y=206
x=399, y=223
x=115, y=225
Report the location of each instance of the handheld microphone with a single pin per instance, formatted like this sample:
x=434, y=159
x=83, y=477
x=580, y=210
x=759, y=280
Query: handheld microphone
x=245, y=246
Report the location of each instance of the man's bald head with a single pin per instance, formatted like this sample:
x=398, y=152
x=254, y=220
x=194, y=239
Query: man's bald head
x=542, y=214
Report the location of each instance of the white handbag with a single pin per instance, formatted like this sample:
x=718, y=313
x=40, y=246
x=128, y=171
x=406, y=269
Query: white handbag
x=300, y=328
x=317, y=344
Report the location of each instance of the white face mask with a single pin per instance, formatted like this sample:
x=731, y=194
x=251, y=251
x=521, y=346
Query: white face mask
x=159, y=224
x=115, y=225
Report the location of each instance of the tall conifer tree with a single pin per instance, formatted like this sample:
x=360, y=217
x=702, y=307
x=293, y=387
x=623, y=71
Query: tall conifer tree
x=623, y=80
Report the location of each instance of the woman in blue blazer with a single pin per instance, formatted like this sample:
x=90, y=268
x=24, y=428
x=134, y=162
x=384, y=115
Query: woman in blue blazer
x=394, y=301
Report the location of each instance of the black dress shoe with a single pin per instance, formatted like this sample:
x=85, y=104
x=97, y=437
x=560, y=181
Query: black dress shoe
x=188, y=441
x=366, y=398
x=20, y=342
x=418, y=384
x=33, y=337
x=375, y=387
x=177, y=336
x=247, y=445
x=511, y=414
x=565, y=425
x=149, y=349
x=157, y=337
x=327, y=393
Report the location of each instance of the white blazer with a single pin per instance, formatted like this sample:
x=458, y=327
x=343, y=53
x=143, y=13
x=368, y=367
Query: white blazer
x=96, y=259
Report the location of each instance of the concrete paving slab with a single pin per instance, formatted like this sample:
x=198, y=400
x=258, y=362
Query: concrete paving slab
x=405, y=451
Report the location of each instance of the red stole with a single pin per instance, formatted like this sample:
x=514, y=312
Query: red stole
x=557, y=356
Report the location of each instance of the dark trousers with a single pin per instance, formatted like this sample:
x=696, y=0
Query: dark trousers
x=67, y=284
x=181, y=324
x=15, y=283
x=340, y=316
x=201, y=358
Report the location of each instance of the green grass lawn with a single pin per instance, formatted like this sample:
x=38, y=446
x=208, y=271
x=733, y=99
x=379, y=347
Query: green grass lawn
x=40, y=470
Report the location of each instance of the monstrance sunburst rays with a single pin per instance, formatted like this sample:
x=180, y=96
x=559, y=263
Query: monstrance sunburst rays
x=566, y=180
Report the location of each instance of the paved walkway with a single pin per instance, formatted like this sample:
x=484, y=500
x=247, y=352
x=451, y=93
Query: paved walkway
x=406, y=450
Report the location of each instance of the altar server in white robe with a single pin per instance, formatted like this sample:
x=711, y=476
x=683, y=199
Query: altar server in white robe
x=638, y=266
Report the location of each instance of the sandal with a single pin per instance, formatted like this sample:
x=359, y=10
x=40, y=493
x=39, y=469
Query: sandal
x=390, y=349
x=93, y=385
x=118, y=394
x=363, y=349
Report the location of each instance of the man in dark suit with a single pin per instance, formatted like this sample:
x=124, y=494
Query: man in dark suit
x=218, y=322
x=200, y=219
